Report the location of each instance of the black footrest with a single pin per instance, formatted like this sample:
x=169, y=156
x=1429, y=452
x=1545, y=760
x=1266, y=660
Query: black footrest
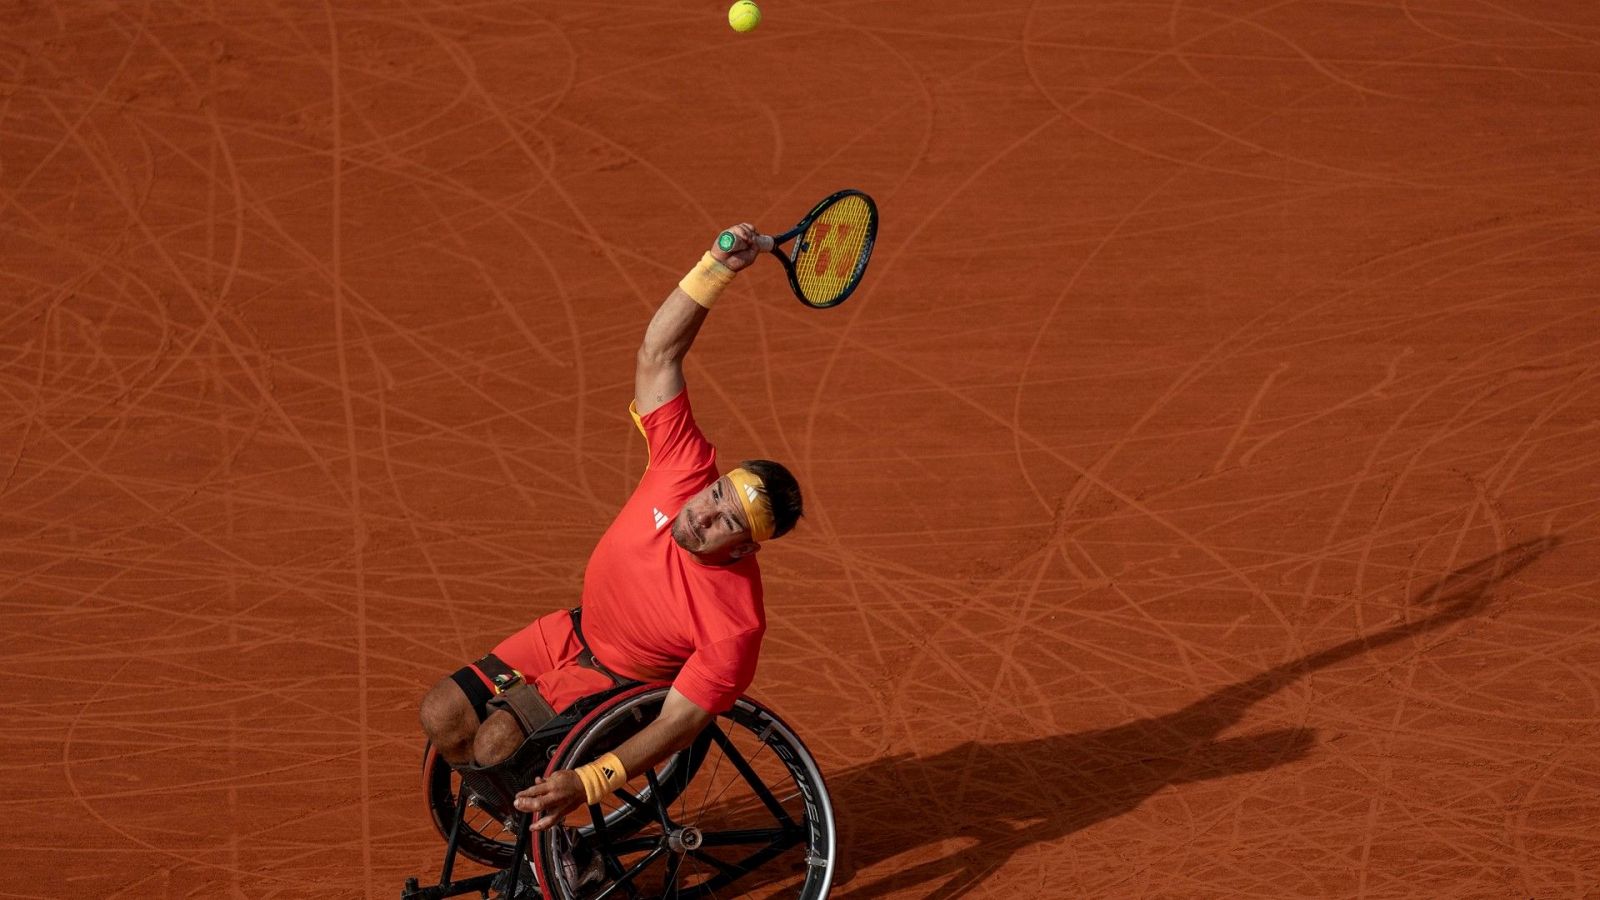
x=478, y=884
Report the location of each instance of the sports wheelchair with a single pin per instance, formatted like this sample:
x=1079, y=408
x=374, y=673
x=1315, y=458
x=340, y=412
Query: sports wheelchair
x=743, y=807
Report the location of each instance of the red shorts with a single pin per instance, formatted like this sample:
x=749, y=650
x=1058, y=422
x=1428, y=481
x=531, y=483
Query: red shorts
x=546, y=653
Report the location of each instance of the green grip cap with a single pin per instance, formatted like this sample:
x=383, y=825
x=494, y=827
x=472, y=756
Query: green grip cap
x=725, y=241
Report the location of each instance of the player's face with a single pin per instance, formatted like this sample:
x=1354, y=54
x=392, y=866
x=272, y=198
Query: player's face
x=711, y=523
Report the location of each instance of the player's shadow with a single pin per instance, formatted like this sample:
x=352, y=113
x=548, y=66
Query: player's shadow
x=987, y=801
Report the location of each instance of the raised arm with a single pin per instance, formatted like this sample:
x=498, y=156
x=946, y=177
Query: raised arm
x=658, y=370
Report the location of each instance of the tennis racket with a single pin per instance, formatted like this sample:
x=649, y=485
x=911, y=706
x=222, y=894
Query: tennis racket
x=835, y=241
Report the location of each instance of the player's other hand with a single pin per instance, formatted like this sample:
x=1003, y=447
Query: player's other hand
x=747, y=244
x=552, y=798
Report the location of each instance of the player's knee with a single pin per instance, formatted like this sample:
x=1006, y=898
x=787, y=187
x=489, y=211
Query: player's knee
x=449, y=720
x=498, y=737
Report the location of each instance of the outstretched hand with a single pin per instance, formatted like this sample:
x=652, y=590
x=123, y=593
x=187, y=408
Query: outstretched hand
x=550, y=799
x=747, y=244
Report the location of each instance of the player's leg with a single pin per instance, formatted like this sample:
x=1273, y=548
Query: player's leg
x=473, y=723
x=498, y=737
x=546, y=655
x=451, y=711
x=460, y=713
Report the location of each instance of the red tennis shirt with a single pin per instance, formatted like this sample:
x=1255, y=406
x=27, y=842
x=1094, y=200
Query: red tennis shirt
x=651, y=610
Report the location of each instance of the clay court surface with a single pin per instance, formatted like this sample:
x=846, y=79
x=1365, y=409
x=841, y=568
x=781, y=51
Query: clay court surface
x=1202, y=487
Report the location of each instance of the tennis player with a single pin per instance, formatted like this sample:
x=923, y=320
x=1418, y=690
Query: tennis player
x=672, y=591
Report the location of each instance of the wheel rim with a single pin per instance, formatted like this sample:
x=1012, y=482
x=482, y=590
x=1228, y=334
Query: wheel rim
x=755, y=815
x=485, y=838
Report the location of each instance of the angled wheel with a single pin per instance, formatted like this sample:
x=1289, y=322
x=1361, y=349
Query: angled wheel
x=485, y=837
x=752, y=813
x=487, y=834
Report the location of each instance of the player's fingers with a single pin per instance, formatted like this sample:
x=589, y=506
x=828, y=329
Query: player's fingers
x=529, y=799
x=762, y=242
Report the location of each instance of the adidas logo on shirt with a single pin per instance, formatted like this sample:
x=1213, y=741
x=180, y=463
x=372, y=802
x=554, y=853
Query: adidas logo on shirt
x=661, y=518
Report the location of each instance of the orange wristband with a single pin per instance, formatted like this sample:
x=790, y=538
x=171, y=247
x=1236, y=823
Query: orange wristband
x=706, y=280
x=602, y=778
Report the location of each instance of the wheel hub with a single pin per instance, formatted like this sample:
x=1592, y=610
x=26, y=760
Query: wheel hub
x=684, y=839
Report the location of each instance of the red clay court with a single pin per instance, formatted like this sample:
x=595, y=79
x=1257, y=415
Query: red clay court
x=1203, y=487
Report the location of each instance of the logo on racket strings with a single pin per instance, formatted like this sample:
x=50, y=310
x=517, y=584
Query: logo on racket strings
x=832, y=242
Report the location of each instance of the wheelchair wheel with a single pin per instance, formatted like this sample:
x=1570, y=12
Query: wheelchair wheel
x=488, y=836
x=485, y=838
x=753, y=813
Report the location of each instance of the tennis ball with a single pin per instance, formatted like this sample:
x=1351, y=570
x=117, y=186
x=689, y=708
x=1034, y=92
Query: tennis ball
x=744, y=16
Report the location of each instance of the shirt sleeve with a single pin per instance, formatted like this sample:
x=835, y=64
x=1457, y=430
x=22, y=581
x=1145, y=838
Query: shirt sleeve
x=719, y=672
x=673, y=437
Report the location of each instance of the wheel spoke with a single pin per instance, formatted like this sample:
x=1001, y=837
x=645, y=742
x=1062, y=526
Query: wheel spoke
x=671, y=885
x=655, y=794
x=769, y=836
x=728, y=870
x=744, y=818
x=705, y=795
x=632, y=799
x=762, y=737
x=634, y=845
x=750, y=777
x=598, y=816
x=727, y=873
x=626, y=879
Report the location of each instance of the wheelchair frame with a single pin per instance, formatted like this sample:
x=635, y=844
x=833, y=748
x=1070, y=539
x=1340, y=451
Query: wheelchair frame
x=601, y=721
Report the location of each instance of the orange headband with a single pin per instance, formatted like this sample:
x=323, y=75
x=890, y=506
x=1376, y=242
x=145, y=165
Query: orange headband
x=752, y=494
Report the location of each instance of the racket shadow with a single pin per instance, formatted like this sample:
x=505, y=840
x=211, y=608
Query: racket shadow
x=988, y=801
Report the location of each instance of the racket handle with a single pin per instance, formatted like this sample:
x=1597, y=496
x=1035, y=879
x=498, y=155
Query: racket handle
x=727, y=240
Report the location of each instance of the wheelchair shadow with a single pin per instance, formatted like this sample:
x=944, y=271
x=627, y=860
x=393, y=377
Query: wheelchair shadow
x=988, y=801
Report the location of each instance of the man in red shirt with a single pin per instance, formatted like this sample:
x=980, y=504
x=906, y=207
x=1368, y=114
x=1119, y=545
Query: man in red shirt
x=680, y=603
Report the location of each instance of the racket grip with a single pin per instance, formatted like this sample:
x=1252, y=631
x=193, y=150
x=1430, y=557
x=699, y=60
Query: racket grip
x=727, y=240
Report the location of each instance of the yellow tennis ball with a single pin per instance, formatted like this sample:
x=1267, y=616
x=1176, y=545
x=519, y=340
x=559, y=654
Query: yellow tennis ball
x=744, y=16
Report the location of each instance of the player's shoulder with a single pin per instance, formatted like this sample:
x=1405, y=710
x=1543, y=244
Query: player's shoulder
x=728, y=599
x=647, y=413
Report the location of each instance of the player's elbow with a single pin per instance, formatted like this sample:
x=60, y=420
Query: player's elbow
x=689, y=722
x=654, y=358
x=684, y=718
x=655, y=365
x=651, y=365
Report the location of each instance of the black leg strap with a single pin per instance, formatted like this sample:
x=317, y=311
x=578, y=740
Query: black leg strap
x=511, y=692
x=478, y=693
x=499, y=674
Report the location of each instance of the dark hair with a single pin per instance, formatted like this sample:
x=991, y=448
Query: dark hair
x=782, y=490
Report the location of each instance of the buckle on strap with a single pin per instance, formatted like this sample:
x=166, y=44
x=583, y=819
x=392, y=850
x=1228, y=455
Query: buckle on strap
x=501, y=676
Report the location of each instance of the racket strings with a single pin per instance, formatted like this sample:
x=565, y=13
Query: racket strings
x=832, y=253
